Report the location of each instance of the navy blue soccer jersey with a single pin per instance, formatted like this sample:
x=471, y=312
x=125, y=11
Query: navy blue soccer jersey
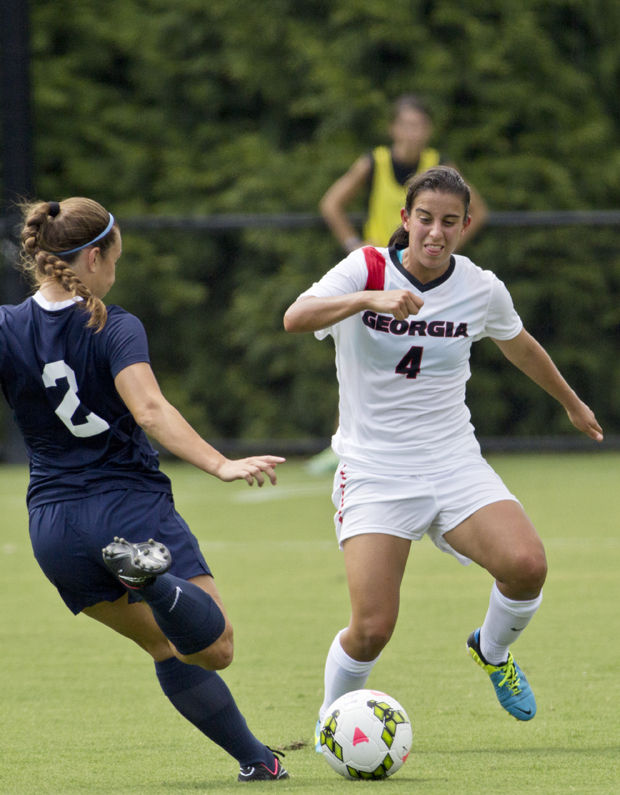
x=58, y=377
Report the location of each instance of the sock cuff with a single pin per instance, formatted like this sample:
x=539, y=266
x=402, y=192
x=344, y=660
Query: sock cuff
x=346, y=662
x=188, y=616
x=517, y=607
x=204, y=635
x=175, y=676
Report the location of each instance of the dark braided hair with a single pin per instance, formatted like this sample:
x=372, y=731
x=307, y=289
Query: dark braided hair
x=442, y=179
x=53, y=227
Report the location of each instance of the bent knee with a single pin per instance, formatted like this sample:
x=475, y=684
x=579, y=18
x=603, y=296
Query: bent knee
x=370, y=637
x=221, y=654
x=217, y=656
x=528, y=571
x=534, y=569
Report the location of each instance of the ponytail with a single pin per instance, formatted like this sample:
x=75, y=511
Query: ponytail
x=53, y=234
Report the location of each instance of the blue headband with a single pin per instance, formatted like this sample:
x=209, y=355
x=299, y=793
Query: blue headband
x=90, y=242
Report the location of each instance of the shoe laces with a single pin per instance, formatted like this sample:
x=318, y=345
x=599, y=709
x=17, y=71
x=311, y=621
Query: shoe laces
x=276, y=753
x=511, y=676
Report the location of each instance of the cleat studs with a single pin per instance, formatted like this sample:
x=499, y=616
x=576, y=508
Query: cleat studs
x=136, y=563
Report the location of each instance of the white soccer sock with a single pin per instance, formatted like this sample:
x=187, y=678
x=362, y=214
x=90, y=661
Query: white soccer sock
x=342, y=673
x=504, y=622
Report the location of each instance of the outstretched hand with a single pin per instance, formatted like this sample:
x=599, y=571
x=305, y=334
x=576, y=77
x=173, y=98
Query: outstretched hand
x=250, y=469
x=584, y=420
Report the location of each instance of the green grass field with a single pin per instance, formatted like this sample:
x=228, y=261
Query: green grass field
x=82, y=711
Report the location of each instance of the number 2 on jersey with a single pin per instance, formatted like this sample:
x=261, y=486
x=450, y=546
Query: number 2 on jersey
x=411, y=362
x=93, y=424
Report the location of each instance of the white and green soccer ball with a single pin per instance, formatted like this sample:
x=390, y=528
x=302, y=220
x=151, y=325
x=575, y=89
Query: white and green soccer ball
x=366, y=734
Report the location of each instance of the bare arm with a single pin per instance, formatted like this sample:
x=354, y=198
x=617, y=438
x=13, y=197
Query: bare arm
x=140, y=392
x=335, y=200
x=532, y=359
x=312, y=313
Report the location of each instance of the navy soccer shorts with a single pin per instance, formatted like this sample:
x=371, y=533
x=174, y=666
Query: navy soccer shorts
x=67, y=538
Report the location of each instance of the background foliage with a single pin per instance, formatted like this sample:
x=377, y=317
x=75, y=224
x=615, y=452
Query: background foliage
x=198, y=108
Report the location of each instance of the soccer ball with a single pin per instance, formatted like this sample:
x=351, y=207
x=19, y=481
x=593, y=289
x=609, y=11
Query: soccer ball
x=366, y=734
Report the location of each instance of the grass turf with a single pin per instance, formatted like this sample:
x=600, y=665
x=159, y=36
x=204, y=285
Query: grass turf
x=82, y=711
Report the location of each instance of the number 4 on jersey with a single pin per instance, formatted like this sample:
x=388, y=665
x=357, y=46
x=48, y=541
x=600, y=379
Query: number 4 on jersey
x=411, y=362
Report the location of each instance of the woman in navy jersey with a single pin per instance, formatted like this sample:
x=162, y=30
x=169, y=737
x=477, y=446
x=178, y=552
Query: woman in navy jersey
x=403, y=319
x=77, y=376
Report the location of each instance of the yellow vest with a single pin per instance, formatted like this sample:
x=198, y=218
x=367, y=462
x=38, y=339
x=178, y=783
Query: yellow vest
x=387, y=195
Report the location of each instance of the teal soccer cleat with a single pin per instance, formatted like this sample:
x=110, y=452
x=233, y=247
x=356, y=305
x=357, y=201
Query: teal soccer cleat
x=511, y=687
x=317, y=737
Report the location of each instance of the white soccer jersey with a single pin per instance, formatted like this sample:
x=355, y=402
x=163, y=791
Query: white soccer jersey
x=402, y=382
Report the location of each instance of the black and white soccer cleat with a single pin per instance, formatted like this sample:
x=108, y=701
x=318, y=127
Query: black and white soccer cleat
x=138, y=564
x=261, y=772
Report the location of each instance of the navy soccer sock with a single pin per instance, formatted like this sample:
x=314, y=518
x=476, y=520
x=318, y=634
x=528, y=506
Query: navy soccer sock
x=203, y=698
x=187, y=615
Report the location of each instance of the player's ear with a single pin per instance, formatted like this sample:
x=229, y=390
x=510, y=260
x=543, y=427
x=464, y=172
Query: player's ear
x=93, y=254
x=467, y=222
x=404, y=218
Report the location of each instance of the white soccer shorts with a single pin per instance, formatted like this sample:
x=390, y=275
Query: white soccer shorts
x=413, y=505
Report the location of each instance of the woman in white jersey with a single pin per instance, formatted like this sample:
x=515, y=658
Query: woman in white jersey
x=403, y=319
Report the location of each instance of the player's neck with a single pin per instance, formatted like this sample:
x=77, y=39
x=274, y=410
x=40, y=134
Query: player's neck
x=53, y=292
x=406, y=153
x=421, y=272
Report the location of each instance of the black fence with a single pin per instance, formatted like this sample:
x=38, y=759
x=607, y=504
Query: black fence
x=232, y=221
x=503, y=231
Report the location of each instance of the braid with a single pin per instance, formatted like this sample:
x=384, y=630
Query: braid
x=42, y=235
x=97, y=310
x=30, y=236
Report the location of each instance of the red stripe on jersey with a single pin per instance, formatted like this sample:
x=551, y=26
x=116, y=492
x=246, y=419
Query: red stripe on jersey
x=375, y=262
x=343, y=481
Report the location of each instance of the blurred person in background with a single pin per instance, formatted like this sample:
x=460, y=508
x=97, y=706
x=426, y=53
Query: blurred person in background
x=383, y=175
x=77, y=375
